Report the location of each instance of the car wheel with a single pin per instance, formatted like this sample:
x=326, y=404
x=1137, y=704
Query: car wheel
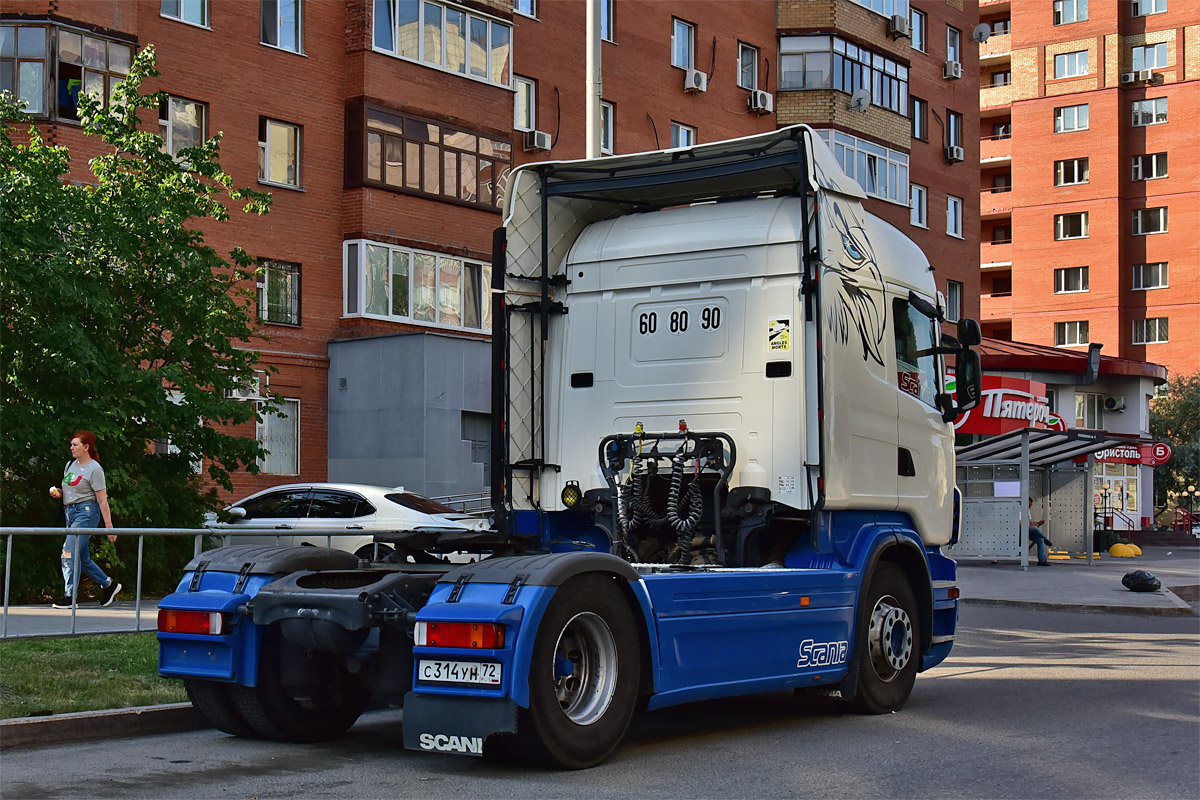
x=374, y=552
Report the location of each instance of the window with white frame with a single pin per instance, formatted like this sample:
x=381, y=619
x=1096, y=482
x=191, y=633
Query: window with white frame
x=1150, y=331
x=278, y=292
x=1070, y=171
x=1068, y=11
x=887, y=8
x=683, y=44
x=446, y=37
x=1150, y=276
x=1089, y=411
x=1150, y=166
x=279, y=434
x=1149, y=112
x=880, y=171
x=918, y=203
x=278, y=152
x=526, y=7
x=1147, y=221
x=1070, y=334
x=682, y=135
x=916, y=24
x=1151, y=56
x=1002, y=77
x=525, y=101
x=1144, y=8
x=806, y=62
x=918, y=112
x=403, y=284
x=607, y=30
x=954, y=298
x=607, y=112
x=954, y=128
x=191, y=11
x=747, y=66
x=24, y=67
x=282, y=24
x=86, y=64
x=1071, y=226
x=181, y=123
x=954, y=222
x=1071, y=118
x=1071, y=65
x=953, y=43
x=1070, y=280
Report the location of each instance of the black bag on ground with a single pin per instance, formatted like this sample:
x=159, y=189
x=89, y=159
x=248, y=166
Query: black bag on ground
x=1141, y=581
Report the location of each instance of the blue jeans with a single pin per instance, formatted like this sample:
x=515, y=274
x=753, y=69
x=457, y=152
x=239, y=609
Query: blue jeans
x=1037, y=537
x=85, y=514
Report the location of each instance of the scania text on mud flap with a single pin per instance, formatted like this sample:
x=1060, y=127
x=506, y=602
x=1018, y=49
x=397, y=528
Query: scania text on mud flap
x=722, y=463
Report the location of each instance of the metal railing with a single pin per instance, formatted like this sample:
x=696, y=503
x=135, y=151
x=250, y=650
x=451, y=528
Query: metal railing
x=468, y=502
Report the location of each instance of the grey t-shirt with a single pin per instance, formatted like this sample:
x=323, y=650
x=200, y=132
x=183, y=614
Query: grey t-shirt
x=82, y=481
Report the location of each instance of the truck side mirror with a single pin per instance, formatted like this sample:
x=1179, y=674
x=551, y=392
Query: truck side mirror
x=969, y=334
x=969, y=380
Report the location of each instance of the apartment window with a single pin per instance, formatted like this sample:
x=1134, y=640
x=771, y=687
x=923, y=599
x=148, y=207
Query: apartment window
x=1070, y=171
x=954, y=295
x=954, y=223
x=607, y=113
x=916, y=24
x=526, y=7
x=1001, y=234
x=417, y=155
x=1002, y=78
x=953, y=43
x=1089, y=411
x=279, y=434
x=1069, y=280
x=805, y=62
x=1001, y=27
x=918, y=203
x=409, y=285
x=1071, y=226
x=1001, y=182
x=525, y=112
x=181, y=123
x=880, y=171
x=24, y=51
x=1071, y=65
x=683, y=44
x=1068, y=11
x=1149, y=220
x=954, y=128
x=1150, y=166
x=1149, y=112
x=1069, y=334
x=445, y=37
x=86, y=64
x=1002, y=130
x=1150, y=56
x=682, y=135
x=1150, y=331
x=278, y=152
x=283, y=24
x=1144, y=8
x=885, y=7
x=191, y=11
x=279, y=292
x=1071, y=118
x=918, y=111
x=1150, y=276
x=747, y=66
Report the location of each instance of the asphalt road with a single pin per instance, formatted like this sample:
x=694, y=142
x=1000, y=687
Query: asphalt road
x=1031, y=704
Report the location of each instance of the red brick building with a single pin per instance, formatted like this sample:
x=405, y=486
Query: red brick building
x=386, y=129
x=1090, y=204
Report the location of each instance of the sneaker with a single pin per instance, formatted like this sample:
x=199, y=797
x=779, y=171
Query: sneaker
x=110, y=593
x=62, y=602
x=1043, y=563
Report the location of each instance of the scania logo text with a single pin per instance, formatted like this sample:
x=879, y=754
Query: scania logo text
x=822, y=654
x=452, y=744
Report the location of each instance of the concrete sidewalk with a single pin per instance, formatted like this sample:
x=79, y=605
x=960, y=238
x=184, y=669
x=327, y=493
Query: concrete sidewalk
x=123, y=616
x=1067, y=585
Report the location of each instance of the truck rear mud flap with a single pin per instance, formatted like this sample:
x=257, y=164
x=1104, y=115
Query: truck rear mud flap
x=455, y=724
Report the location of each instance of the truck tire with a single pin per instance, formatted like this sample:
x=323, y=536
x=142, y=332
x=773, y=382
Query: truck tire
x=215, y=703
x=273, y=712
x=887, y=646
x=583, y=678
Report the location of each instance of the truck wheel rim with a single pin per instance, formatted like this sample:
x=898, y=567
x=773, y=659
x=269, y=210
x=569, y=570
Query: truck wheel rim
x=585, y=668
x=890, y=638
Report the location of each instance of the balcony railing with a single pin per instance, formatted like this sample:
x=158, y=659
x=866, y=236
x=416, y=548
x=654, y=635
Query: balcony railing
x=998, y=45
x=999, y=253
x=992, y=148
x=992, y=96
x=996, y=200
x=995, y=307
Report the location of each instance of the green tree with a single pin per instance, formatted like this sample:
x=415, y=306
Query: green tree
x=118, y=318
x=1175, y=419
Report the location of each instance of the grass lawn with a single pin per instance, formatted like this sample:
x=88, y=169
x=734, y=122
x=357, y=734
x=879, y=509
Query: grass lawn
x=84, y=673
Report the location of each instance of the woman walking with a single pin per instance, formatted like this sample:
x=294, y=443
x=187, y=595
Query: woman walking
x=85, y=499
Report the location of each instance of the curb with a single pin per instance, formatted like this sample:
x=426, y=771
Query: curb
x=1179, y=607
x=85, y=726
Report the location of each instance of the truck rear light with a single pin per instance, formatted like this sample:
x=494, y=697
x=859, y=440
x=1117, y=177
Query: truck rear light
x=212, y=623
x=467, y=635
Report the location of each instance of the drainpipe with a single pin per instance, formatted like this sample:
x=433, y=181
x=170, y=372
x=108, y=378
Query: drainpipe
x=595, y=88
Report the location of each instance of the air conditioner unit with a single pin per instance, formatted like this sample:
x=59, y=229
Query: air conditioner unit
x=954, y=153
x=762, y=102
x=1128, y=77
x=1114, y=403
x=537, y=140
x=695, y=81
x=1145, y=75
x=249, y=390
x=898, y=26
x=953, y=69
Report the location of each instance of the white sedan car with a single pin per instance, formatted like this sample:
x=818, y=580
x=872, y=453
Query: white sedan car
x=288, y=511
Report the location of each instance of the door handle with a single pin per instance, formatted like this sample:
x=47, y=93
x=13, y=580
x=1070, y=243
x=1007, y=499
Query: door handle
x=354, y=527
x=283, y=527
